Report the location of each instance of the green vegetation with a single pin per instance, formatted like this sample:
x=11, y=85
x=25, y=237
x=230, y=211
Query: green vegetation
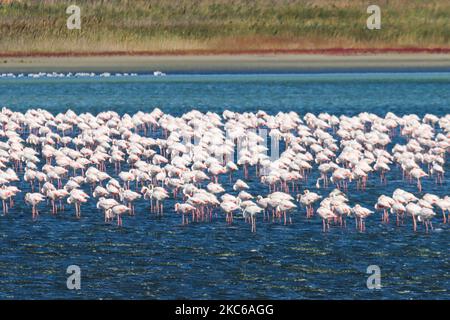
x=220, y=25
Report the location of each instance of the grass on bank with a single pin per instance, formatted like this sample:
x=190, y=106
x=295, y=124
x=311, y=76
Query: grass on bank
x=217, y=25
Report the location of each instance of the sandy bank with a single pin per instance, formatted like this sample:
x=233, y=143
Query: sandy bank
x=230, y=63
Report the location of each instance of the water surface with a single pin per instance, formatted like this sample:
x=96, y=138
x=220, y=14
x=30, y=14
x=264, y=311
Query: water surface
x=158, y=258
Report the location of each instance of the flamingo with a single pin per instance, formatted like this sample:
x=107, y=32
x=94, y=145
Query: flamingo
x=444, y=205
x=5, y=194
x=105, y=204
x=57, y=195
x=425, y=215
x=99, y=191
x=215, y=188
x=263, y=203
x=307, y=199
x=418, y=173
x=384, y=203
x=113, y=187
x=250, y=212
x=129, y=197
x=76, y=197
x=399, y=210
x=240, y=185
x=229, y=207
x=413, y=210
x=34, y=199
x=361, y=213
x=118, y=211
x=155, y=193
x=185, y=209
x=326, y=214
x=283, y=207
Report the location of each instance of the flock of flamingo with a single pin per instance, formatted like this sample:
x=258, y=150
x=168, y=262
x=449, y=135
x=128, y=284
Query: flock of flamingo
x=72, y=158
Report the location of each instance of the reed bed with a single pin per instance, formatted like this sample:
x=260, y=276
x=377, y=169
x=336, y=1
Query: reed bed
x=217, y=25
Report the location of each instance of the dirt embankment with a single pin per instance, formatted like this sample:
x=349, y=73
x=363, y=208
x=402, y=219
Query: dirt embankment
x=330, y=51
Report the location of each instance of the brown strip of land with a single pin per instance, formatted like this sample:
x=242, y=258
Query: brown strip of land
x=268, y=62
x=326, y=51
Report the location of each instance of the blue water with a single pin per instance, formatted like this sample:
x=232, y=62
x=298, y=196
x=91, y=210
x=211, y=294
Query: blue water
x=349, y=94
x=158, y=258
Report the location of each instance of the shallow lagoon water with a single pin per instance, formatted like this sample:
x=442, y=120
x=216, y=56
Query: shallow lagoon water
x=158, y=258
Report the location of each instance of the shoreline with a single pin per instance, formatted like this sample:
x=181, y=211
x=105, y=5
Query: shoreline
x=264, y=62
x=203, y=52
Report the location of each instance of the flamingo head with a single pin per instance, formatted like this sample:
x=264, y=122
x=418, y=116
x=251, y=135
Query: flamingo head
x=144, y=190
